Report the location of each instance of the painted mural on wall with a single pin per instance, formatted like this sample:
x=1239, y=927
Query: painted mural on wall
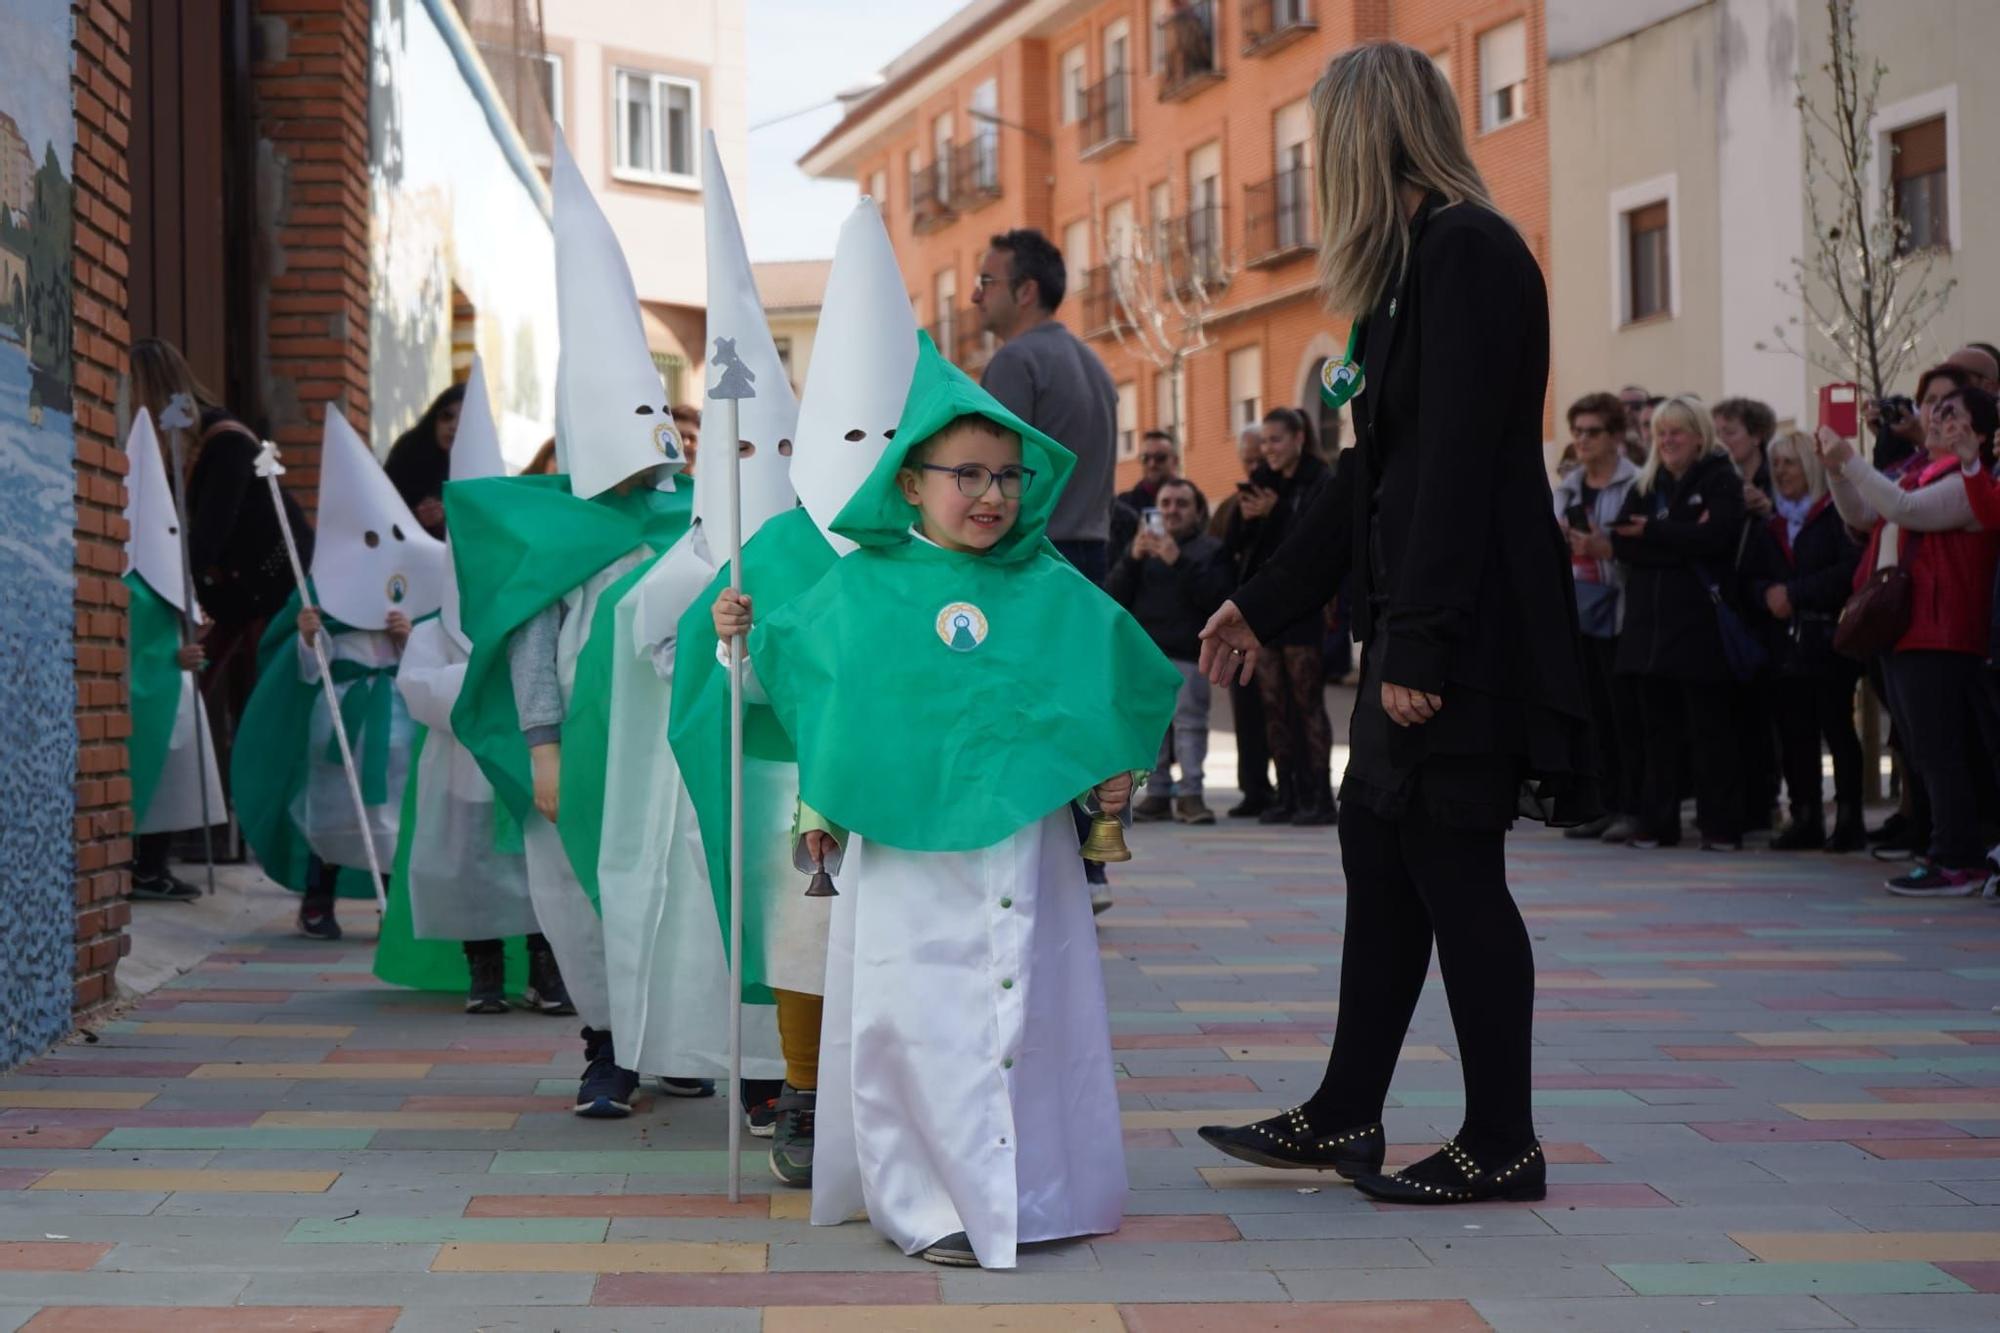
x=37, y=522
x=455, y=215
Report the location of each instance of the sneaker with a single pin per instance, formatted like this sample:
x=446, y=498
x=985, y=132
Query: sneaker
x=1621, y=830
x=1315, y=816
x=954, y=1251
x=1596, y=828
x=488, y=994
x=762, y=1119
x=1250, y=807
x=1100, y=900
x=1152, y=810
x=606, y=1090
x=163, y=888
x=687, y=1087
x=792, y=1138
x=1644, y=842
x=1192, y=810
x=546, y=993
x=318, y=925
x=1722, y=844
x=1928, y=881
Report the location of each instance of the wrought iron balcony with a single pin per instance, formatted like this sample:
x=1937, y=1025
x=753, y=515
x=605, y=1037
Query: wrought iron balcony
x=1271, y=24
x=975, y=174
x=1100, y=301
x=930, y=197
x=1191, y=252
x=1107, y=115
x=1188, y=60
x=1277, y=217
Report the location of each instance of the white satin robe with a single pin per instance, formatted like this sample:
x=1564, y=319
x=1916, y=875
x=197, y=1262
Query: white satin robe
x=176, y=802
x=324, y=806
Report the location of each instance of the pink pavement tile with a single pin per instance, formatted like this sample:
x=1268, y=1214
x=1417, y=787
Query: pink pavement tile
x=615, y=1205
x=348, y=1055
x=1198, y=1083
x=1841, y=1004
x=1326, y=938
x=1247, y=914
x=1137, y=947
x=1673, y=932
x=1164, y=1041
x=1611, y=1016
x=1773, y=1053
x=519, y=1104
x=1979, y=1276
x=34, y=1136
x=103, y=1068
x=61, y=1256
x=1912, y=1149
x=1758, y=965
x=173, y=999
x=1168, y=1228
x=1919, y=1096
x=512, y=1041
x=1975, y=1038
x=1151, y=1138
x=96, y=1119
x=345, y=981
x=1630, y=1081
x=1272, y=1032
x=217, y=1319
x=18, y=1178
x=1819, y=1131
x=1307, y=1317
x=1561, y=1196
x=755, y=1289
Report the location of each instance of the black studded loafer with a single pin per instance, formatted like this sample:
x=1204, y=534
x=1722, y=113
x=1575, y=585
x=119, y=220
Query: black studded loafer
x=1288, y=1141
x=1451, y=1176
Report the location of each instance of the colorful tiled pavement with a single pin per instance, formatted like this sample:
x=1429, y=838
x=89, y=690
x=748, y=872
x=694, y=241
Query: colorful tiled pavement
x=1771, y=1094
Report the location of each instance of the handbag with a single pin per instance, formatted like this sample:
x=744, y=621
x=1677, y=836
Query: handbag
x=1741, y=650
x=1876, y=615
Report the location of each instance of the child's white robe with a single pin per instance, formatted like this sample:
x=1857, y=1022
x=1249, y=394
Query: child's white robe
x=176, y=802
x=324, y=807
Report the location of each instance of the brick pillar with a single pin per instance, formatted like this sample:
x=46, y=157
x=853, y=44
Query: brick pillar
x=310, y=80
x=101, y=83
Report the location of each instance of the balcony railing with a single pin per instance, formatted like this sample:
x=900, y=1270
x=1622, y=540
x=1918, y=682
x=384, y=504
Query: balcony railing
x=1186, y=40
x=1191, y=249
x=975, y=175
x=1100, y=301
x=944, y=331
x=930, y=196
x=1277, y=217
x=1107, y=114
x=974, y=344
x=1270, y=24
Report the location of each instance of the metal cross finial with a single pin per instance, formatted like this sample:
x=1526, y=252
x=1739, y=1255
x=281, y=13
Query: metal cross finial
x=738, y=380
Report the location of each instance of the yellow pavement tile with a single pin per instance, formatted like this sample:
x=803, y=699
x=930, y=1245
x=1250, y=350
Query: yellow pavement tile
x=1316, y=1055
x=72, y=1099
x=942, y=1318
x=1949, y=1111
x=1813, y=956
x=1218, y=970
x=609, y=1257
x=382, y=1072
x=791, y=1206
x=1259, y=1006
x=1623, y=983
x=1191, y=1119
x=1264, y=1177
x=148, y=1181
x=1819, y=1037
x=1111, y=920
x=183, y=1028
x=1856, y=1247
x=474, y=1120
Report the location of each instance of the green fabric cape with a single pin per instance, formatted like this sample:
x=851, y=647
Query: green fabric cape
x=915, y=728
x=154, y=638
x=781, y=560
x=269, y=764
x=401, y=959
x=519, y=545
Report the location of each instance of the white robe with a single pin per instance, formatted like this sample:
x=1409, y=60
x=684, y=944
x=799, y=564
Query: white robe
x=965, y=1059
x=460, y=887
x=176, y=802
x=324, y=806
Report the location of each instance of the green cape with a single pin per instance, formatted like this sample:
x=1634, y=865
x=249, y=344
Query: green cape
x=941, y=700
x=520, y=544
x=781, y=560
x=154, y=639
x=269, y=766
x=401, y=959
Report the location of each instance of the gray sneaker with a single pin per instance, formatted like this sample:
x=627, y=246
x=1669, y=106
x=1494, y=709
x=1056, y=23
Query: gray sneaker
x=792, y=1138
x=1192, y=810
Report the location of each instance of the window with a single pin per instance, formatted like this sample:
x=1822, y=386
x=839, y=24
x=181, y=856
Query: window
x=784, y=348
x=1292, y=194
x=551, y=74
x=1649, y=277
x=1919, y=171
x=1169, y=406
x=1204, y=224
x=1246, y=388
x=658, y=124
x=878, y=188
x=1118, y=229
x=913, y=165
x=1070, y=81
x=1076, y=250
x=946, y=329
x=1128, y=420
x=1503, y=75
x=941, y=155
x=1442, y=59
x=1117, y=47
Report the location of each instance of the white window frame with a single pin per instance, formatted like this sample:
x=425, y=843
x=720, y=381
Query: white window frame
x=878, y=187
x=1900, y=116
x=690, y=179
x=1251, y=356
x=1072, y=77
x=1485, y=92
x=554, y=60
x=1659, y=190
x=1128, y=420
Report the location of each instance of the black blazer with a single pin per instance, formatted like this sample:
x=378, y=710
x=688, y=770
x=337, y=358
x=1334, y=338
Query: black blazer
x=1442, y=511
x=1817, y=572
x=1695, y=530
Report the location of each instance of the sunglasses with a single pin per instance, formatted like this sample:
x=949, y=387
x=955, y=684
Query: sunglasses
x=1154, y=458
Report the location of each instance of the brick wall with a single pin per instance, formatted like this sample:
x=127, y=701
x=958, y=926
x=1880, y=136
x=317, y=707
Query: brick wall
x=102, y=84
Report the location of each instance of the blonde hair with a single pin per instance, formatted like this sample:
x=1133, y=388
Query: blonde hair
x=1688, y=410
x=1384, y=116
x=1801, y=445
x=157, y=371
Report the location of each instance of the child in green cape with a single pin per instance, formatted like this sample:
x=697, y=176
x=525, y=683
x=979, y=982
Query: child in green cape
x=952, y=686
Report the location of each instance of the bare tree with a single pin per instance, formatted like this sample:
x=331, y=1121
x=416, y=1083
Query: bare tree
x=1864, y=290
x=1164, y=288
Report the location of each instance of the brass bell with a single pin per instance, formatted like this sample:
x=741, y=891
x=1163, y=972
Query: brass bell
x=1106, y=843
x=821, y=883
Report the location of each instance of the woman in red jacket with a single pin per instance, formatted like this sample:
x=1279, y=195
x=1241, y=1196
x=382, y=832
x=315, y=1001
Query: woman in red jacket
x=1936, y=673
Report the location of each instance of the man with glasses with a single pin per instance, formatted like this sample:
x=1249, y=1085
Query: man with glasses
x=1159, y=463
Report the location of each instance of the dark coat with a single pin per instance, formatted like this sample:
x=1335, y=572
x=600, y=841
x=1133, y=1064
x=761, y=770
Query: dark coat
x=1817, y=572
x=1172, y=602
x=1694, y=531
x=241, y=571
x=1442, y=511
x=1252, y=542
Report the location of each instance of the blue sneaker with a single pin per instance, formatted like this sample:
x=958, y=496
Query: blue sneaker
x=687, y=1087
x=606, y=1090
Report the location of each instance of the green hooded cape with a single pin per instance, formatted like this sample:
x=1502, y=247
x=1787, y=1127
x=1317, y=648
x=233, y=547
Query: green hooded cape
x=941, y=700
x=520, y=544
x=781, y=560
x=155, y=637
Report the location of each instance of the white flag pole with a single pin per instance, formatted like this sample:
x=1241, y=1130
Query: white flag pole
x=177, y=418
x=269, y=469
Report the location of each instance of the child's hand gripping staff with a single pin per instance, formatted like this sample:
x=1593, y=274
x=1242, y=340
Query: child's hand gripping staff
x=270, y=470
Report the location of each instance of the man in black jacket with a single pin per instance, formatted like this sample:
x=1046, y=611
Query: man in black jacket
x=1172, y=578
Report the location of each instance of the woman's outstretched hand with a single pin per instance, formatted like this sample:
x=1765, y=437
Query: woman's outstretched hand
x=1228, y=647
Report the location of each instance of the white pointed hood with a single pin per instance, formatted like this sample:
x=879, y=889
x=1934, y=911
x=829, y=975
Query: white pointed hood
x=369, y=555
x=475, y=452
x=612, y=417
x=767, y=422
x=153, y=538
x=863, y=358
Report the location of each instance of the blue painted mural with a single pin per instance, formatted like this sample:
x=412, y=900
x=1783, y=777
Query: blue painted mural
x=37, y=529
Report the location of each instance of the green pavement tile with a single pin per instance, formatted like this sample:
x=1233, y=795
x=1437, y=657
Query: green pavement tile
x=359, y=965
x=555, y=1087
x=1543, y=1097
x=440, y=1230
x=1919, y=1064
x=245, y=1137
x=1863, y=1279
x=1975, y=973
x=1936, y=1023
x=1821, y=932
x=699, y=1163
x=1174, y=1022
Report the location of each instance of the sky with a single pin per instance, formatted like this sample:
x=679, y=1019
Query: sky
x=801, y=53
x=34, y=73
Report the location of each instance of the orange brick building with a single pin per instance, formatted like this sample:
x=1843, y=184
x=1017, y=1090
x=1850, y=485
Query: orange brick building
x=1165, y=145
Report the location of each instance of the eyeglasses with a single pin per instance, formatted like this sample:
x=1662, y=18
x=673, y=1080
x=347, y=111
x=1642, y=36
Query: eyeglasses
x=985, y=280
x=1155, y=458
x=975, y=479
x=1588, y=432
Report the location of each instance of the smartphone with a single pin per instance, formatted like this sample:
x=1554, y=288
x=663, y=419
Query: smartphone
x=1839, y=409
x=1155, y=521
x=1578, y=518
x=1244, y=487
x=1898, y=408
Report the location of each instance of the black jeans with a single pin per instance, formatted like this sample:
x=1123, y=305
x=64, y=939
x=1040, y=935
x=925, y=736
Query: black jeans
x=1697, y=716
x=1942, y=714
x=1614, y=726
x=1810, y=709
x=1757, y=753
x=1253, y=752
x=1411, y=880
x=149, y=855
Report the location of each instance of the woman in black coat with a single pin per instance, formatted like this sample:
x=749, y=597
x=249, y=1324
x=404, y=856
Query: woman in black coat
x=420, y=461
x=1471, y=707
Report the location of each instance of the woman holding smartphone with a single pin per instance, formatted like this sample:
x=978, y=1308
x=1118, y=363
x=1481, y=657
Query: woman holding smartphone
x=1471, y=708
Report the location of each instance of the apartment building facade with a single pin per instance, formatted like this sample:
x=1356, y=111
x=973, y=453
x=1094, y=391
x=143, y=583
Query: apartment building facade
x=1165, y=145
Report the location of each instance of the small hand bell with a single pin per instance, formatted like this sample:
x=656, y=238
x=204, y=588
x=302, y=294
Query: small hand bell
x=821, y=883
x=1106, y=842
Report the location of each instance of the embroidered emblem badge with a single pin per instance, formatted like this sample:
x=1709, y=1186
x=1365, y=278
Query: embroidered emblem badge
x=961, y=626
x=398, y=588
x=666, y=441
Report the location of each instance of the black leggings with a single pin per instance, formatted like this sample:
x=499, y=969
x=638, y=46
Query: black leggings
x=1411, y=880
x=1944, y=714
x=1809, y=709
x=1698, y=716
